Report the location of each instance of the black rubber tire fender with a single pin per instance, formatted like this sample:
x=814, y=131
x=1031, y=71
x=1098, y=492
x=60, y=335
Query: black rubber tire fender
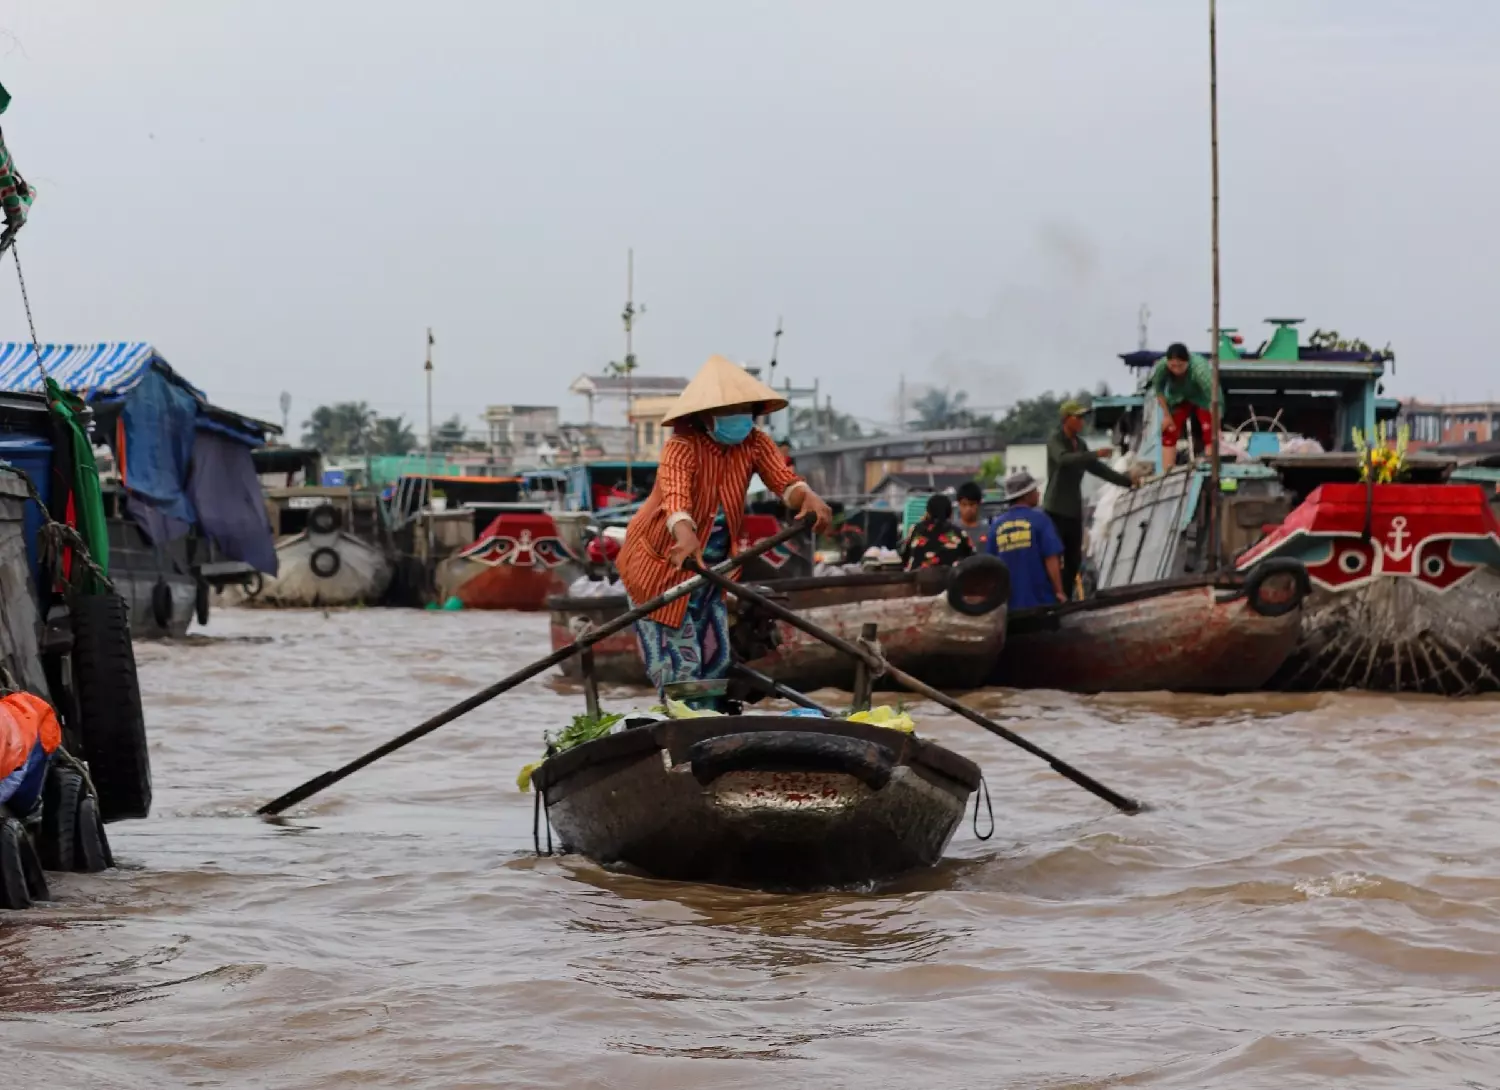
x=161, y=604
x=201, y=601
x=254, y=585
x=323, y=519
x=791, y=751
x=31, y=867
x=331, y=562
x=1276, y=565
x=113, y=726
x=15, y=891
x=58, y=835
x=90, y=850
x=978, y=585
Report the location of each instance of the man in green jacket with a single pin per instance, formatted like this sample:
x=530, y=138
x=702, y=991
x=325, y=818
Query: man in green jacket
x=1068, y=459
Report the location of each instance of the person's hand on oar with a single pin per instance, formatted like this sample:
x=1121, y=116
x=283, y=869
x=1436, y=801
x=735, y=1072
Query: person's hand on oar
x=685, y=545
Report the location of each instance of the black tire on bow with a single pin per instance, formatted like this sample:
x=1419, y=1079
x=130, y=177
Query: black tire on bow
x=15, y=891
x=200, y=601
x=325, y=562
x=254, y=585
x=161, y=605
x=60, y=796
x=113, y=726
x=978, y=585
x=1282, y=596
x=90, y=849
x=324, y=519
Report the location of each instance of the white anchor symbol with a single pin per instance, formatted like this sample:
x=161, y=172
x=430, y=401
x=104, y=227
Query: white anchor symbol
x=1398, y=549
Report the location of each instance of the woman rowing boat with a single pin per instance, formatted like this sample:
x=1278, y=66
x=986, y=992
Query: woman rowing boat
x=695, y=510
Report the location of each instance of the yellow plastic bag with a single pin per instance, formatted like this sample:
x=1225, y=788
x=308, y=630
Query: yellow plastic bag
x=676, y=709
x=887, y=717
x=523, y=778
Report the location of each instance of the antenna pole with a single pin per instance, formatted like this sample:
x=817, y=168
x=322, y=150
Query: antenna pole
x=1218, y=397
x=629, y=367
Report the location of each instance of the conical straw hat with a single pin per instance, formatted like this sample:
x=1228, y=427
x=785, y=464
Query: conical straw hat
x=719, y=383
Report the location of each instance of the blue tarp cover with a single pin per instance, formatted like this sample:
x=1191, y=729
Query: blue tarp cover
x=231, y=510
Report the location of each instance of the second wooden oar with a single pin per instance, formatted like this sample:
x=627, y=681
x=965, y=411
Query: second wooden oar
x=901, y=677
x=588, y=639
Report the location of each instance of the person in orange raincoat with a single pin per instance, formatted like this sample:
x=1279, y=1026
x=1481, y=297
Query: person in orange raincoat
x=29, y=735
x=696, y=509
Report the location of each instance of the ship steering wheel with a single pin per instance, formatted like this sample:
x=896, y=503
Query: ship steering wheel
x=1254, y=421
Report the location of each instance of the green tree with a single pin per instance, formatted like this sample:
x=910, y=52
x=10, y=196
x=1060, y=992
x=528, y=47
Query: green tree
x=990, y=471
x=1032, y=419
x=391, y=435
x=449, y=435
x=825, y=422
x=339, y=429
x=943, y=408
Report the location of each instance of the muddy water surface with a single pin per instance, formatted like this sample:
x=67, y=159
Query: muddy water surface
x=1314, y=901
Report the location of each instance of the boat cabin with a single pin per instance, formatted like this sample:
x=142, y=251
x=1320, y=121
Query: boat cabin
x=601, y=486
x=1289, y=414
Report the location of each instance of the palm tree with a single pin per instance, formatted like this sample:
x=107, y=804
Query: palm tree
x=941, y=408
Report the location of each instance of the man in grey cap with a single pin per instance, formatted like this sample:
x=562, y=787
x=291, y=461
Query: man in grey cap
x=1024, y=537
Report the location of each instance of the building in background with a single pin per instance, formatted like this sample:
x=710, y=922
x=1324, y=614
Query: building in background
x=523, y=434
x=645, y=415
x=608, y=395
x=1437, y=424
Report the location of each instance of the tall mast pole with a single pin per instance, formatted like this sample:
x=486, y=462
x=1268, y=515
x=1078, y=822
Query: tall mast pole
x=1218, y=397
x=629, y=367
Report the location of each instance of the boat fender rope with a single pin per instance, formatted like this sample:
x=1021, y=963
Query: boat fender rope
x=988, y=805
x=877, y=664
x=538, y=816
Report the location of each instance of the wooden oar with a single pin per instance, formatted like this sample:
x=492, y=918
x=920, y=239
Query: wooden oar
x=562, y=654
x=901, y=677
x=776, y=688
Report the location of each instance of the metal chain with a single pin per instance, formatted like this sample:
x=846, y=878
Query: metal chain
x=36, y=344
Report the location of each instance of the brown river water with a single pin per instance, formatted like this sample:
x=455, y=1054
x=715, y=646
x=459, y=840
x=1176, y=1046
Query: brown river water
x=1313, y=901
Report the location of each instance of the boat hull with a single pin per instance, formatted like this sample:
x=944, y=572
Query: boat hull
x=361, y=577
x=1189, y=639
x=519, y=560
x=1399, y=635
x=645, y=799
x=918, y=630
x=1406, y=589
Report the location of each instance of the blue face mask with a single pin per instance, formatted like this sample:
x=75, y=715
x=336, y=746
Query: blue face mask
x=732, y=430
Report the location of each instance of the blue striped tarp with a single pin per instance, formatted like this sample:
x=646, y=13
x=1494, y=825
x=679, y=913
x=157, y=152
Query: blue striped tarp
x=88, y=370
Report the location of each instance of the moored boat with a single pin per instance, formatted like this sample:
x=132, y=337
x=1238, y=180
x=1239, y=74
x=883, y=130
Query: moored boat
x=1197, y=634
x=517, y=562
x=764, y=801
x=333, y=545
x=943, y=625
x=1405, y=573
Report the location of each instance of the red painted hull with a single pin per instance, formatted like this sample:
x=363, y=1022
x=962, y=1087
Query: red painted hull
x=1406, y=585
x=508, y=587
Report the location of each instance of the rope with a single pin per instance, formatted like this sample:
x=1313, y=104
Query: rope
x=538, y=808
x=985, y=787
x=56, y=535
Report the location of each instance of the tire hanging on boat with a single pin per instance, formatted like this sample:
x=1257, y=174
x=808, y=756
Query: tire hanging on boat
x=1254, y=589
x=201, y=601
x=90, y=848
x=979, y=585
x=325, y=562
x=324, y=519
x=109, y=699
x=161, y=605
x=15, y=891
x=59, y=833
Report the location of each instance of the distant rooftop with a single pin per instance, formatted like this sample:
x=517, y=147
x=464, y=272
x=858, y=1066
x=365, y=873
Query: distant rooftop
x=618, y=385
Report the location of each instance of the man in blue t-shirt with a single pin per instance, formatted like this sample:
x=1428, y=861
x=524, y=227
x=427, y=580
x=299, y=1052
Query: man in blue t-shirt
x=1023, y=536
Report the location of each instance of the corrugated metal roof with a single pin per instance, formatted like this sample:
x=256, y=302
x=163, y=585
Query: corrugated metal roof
x=89, y=370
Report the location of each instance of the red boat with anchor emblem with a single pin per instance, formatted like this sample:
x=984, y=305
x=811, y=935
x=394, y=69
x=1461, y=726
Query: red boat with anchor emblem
x=515, y=563
x=1401, y=550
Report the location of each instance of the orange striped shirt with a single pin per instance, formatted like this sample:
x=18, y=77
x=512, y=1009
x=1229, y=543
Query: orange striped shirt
x=696, y=476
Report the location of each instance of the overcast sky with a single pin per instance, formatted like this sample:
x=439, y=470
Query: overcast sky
x=283, y=194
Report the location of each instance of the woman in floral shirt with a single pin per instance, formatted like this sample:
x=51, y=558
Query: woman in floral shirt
x=935, y=541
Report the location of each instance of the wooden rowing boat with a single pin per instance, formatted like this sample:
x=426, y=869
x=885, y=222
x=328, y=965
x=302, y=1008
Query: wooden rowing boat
x=771, y=802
